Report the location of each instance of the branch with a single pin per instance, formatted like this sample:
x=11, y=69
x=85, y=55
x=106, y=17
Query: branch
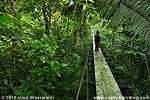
x=55, y=20
x=19, y=67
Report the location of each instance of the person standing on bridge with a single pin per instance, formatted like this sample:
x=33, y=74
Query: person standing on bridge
x=97, y=40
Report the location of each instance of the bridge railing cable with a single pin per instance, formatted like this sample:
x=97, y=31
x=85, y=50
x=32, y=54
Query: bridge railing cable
x=81, y=80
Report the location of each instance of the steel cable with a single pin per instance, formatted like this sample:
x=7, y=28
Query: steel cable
x=83, y=74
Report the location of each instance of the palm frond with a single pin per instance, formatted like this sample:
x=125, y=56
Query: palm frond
x=136, y=14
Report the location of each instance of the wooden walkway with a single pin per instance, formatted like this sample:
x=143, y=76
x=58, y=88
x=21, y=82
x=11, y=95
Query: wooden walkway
x=106, y=86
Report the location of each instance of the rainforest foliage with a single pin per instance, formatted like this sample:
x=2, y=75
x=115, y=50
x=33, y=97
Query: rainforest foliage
x=44, y=44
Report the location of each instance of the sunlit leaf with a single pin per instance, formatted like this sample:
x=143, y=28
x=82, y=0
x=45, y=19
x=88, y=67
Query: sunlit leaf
x=21, y=60
x=64, y=65
x=84, y=6
x=26, y=15
x=92, y=1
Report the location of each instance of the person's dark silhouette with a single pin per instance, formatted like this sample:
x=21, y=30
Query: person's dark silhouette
x=97, y=41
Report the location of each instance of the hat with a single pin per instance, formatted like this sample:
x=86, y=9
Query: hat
x=97, y=31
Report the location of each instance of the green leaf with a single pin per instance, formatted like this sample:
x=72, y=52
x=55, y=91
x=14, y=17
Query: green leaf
x=45, y=94
x=33, y=50
x=42, y=57
x=54, y=67
x=84, y=6
x=17, y=92
x=18, y=16
x=49, y=84
x=42, y=39
x=120, y=67
x=40, y=73
x=5, y=81
x=34, y=62
x=22, y=81
x=29, y=92
x=36, y=42
x=34, y=71
x=52, y=63
x=41, y=90
x=141, y=53
x=2, y=88
x=46, y=67
x=92, y=1
x=28, y=78
x=64, y=65
x=47, y=45
x=1, y=25
x=4, y=18
x=41, y=79
x=30, y=53
x=32, y=79
x=58, y=74
x=53, y=87
x=21, y=60
x=41, y=51
x=26, y=15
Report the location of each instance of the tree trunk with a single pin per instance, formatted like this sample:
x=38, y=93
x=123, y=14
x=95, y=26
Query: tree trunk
x=45, y=14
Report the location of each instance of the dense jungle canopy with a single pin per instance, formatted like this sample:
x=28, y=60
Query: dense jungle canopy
x=44, y=45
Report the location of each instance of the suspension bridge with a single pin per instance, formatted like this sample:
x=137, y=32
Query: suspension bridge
x=101, y=82
x=106, y=85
